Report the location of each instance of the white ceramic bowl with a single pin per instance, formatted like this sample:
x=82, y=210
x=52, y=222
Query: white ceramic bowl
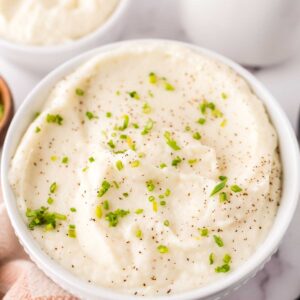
x=44, y=58
x=290, y=162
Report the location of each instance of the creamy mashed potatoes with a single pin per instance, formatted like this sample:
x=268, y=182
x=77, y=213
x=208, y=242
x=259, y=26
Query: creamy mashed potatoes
x=50, y=22
x=152, y=169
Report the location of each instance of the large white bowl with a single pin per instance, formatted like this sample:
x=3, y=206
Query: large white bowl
x=44, y=58
x=290, y=162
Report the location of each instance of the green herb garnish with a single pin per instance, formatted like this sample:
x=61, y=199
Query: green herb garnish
x=197, y=136
x=43, y=218
x=219, y=186
x=119, y=165
x=90, y=115
x=201, y=121
x=203, y=231
x=222, y=269
x=150, y=185
x=111, y=144
x=218, y=241
x=223, y=197
x=162, y=249
x=147, y=108
x=114, y=216
x=72, y=231
x=152, y=78
x=211, y=258
x=148, y=127
x=134, y=95
x=91, y=159
x=139, y=211
x=176, y=161
x=79, y=92
x=104, y=188
x=106, y=205
x=235, y=188
x=37, y=129
x=108, y=114
x=172, y=143
x=57, y=119
x=53, y=187
x=65, y=160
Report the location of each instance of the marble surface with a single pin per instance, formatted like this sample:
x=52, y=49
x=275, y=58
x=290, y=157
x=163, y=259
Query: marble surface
x=280, y=279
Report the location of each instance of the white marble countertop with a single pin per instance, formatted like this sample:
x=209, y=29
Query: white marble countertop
x=280, y=279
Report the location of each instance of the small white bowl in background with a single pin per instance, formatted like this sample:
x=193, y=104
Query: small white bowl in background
x=291, y=179
x=45, y=58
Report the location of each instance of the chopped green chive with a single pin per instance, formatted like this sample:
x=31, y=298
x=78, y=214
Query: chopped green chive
x=192, y=161
x=227, y=259
x=197, y=136
x=167, y=223
x=79, y=92
x=151, y=198
x=218, y=241
x=72, y=231
x=106, y=205
x=223, y=123
x=162, y=165
x=235, y=188
x=134, y=95
x=162, y=249
x=50, y=200
x=119, y=165
x=201, y=121
x=223, y=197
x=104, y=188
x=154, y=206
x=125, y=123
x=222, y=269
x=139, y=211
x=90, y=115
x=147, y=108
x=34, y=117
x=123, y=136
x=139, y=234
x=211, y=258
x=37, y=129
x=85, y=169
x=108, y=114
x=65, y=160
x=150, y=185
x=125, y=195
x=203, y=231
x=167, y=192
x=152, y=78
x=163, y=203
x=224, y=95
x=114, y=216
x=219, y=186
x=135, y=125
x=56, y=119
x=91, y=159
x=73, y=209
x=169, y=87
x=53, y=187
x=176, y=161
x=135, y=164
x=99, y=212
x=111, y=144
x=53, y=158
x=43, y=218
x=148, y=127
x=172, y=143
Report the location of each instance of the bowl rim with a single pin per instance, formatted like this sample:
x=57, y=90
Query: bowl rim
x=290, y=163
x=104, y=28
